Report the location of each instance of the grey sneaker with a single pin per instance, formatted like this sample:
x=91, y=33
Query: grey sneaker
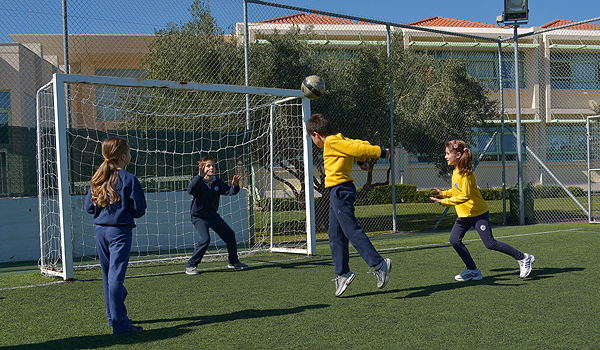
x=383, y=274
x=342, y=282
x=191, y=270
x=238, y=266
x=468, y=275
x=525, y=265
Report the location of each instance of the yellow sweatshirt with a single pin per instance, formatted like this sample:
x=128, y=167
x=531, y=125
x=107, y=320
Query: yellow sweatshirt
x=465, y=196
x=339, y=155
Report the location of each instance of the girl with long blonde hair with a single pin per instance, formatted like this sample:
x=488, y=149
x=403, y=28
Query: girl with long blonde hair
x=115, y=199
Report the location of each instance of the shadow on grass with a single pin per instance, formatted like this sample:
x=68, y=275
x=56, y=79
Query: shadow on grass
x=151, y=335
x=426, y=291
x=304, y=262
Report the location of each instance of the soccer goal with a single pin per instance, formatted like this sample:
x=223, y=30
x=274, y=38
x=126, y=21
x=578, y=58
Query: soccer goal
x=258, y=133
x=593, y=160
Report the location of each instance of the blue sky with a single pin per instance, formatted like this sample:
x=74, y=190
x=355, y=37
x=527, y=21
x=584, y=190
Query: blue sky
x=128, y=17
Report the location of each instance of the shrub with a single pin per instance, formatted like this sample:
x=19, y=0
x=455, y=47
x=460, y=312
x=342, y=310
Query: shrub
x=549, y=191
x=577, y=191
x=280, y=204
x=383, y=195
x=422, y=196
x=491, y=194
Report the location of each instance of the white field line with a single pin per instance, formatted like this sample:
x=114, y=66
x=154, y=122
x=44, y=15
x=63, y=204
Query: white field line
x=34, y=285
x=474, y=240
x=292, y=259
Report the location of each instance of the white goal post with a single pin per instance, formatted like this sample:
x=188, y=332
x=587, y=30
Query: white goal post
x=259, y=133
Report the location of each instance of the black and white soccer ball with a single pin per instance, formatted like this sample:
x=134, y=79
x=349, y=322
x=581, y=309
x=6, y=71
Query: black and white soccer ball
x=313, y=87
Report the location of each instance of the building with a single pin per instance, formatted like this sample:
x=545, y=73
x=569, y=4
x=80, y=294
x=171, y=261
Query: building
x=559, y=84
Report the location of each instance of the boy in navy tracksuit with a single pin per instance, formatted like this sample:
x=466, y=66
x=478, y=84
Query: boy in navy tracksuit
x=115, y=199
x=206, y=189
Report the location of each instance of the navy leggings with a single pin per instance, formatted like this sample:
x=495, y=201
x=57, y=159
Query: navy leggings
x=483, y=227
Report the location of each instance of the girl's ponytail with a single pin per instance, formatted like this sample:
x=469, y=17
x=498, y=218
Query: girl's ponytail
x=106, y=176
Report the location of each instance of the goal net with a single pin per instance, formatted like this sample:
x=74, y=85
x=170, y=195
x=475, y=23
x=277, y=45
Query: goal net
x=593, y=159
x=257, y=133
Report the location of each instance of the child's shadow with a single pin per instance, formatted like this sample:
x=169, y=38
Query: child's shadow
x=428, y=290
x=536, y=274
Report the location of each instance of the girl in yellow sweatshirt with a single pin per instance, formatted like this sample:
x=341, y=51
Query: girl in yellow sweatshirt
x=472, y=211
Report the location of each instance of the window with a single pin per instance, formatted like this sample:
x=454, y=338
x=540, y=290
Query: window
x=494, y=152
x=566, y=142
x=107, y=97
x=574, y=71
x=483, y=66
x=4, y=107
x=508, y=70
x=3, y=174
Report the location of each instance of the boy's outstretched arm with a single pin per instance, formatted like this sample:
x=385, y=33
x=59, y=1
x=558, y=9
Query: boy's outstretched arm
x=385, y=153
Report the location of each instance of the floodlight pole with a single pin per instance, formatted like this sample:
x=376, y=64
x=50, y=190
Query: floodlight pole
x=501, y=83
x=519, y=137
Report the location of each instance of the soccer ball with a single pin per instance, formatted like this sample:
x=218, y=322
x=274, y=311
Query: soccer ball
x=313, y=87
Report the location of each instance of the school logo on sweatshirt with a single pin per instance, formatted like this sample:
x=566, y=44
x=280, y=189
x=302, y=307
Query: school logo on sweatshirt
x=216, y=188
x=456, y=185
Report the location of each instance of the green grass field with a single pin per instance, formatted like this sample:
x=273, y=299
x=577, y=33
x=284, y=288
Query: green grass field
x=287, y=301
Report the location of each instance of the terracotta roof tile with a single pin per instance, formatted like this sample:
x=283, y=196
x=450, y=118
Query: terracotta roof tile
x=560, y=22
x=310, y=18
x=438, y=21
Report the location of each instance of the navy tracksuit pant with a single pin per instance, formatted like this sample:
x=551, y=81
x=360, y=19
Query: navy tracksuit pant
x=344, y=228
x=114, y=245
x=222, y=229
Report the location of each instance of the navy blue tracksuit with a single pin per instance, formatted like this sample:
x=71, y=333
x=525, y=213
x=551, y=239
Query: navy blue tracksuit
x=204, y=216
x=114, y=233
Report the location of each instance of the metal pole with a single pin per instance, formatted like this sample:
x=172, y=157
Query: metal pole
x=501, y=83
x=250, y=183
x=519, y=137
x=65, y=37
x=272, y=171
x=391, y=94
x=247, y=62
x=589, y=167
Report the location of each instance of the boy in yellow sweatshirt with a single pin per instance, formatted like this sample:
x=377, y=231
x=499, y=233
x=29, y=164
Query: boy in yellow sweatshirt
x=338, y=155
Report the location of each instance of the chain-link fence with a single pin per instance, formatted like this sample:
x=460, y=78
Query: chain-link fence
x=408, y=87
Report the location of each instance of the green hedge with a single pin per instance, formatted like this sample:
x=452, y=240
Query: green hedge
x=383, y=195
x=280, y=204
x=555, y=191
x=409, y=194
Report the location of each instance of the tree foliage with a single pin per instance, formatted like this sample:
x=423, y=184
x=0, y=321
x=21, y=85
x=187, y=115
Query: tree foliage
x=433, y=101
x=436, y=102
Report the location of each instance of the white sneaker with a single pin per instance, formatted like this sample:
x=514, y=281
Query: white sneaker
x=468, y=275
x=383, y=274
x=191, y=270
x=525, y=265
x=342, y=282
